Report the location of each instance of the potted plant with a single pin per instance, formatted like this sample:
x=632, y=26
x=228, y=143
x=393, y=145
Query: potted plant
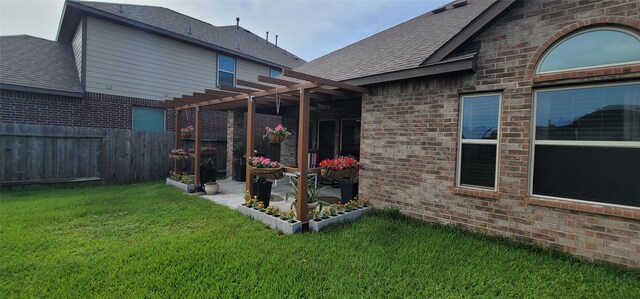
x=277, y=134
x=179, y=154
x=187, y=132
x=313, y=194
x=208, y=151
x=211, y=187
x=344, y=169
x=239, y=169
x=208, y=171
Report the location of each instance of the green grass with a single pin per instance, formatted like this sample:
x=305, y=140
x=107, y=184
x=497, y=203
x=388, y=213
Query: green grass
x=149, y=240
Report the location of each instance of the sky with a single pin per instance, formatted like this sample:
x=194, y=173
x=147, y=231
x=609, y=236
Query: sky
x=307, y=28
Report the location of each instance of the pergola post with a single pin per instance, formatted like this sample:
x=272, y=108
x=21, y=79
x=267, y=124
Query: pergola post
x=303, y=155
x=251, y=114
x=177, y=140
x=196, y=150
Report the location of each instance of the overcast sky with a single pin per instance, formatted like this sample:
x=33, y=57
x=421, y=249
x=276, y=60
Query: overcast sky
x=307, y=28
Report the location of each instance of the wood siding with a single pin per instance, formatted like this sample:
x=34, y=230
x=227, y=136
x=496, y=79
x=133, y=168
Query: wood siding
x=76, y=44
x=128, y=62
x=247, y=70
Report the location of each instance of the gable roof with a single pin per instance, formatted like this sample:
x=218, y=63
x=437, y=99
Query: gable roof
x=239, y=42
x=410, y=46
x=38, y=65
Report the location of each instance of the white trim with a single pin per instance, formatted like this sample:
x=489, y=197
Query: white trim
x=583, y=143
x=584, y=201
x=479, y=141
x=565, y=38
x=164, y=117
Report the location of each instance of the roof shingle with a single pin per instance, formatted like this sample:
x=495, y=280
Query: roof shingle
x=38, y=63
x=401, y=47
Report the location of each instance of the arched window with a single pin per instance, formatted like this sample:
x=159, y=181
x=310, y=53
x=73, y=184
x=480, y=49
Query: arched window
x=592, y=48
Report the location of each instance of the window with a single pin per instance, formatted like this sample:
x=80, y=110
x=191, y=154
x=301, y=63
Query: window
x=587, y=144
x=226, y=70
x=148, y=119
x=275, y=73
x=592, y=48
x=478, y=144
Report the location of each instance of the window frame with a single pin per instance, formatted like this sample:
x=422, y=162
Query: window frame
x=133, y=118
x=583, y=143
x=234, y=73
x=565, y=38
x=274, y=69
x=478, y=141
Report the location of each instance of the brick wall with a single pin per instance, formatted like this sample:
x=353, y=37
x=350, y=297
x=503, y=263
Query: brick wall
x=410, y=128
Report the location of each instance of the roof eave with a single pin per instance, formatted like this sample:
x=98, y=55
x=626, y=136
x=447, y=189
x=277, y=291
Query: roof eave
x=148, y=28
x=471, y=30
x=41, y=90
x=466, y=64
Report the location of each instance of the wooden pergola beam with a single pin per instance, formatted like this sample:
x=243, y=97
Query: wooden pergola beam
x=253, y=84
x=323, y=81
x=220, y=93
x=276, y=81
x=303, y=155
x=196, y=163
x=251, y=114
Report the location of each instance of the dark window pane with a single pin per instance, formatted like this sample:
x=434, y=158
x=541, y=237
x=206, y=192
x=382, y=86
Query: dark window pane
x=592, y=48
x=227, y=64
x=275, y=73
x=225, y=78
x=601, y=174
x=605, y=113
x=478, y=165
x=480, y=117
x=148, y=119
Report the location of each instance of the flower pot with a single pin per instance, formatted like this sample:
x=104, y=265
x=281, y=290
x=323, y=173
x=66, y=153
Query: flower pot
x=338, y=174
x=267, y=173
x=208, y=176
x=211, y=188
x=263, y=189
x=239, y=172
x=348, y=191
x=186, y=135
x=276, y=139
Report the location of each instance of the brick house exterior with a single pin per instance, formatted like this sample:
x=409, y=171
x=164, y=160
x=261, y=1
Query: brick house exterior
x=410, y=134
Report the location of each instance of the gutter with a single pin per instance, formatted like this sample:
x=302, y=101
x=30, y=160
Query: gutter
x=464, y=64
x=42, y=90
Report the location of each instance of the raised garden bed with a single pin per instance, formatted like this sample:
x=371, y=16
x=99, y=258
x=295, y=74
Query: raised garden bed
x=286, y=227
x=317, y=225
x=189, y=188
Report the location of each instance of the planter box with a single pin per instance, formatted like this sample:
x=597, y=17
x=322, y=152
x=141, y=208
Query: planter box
x=189, y=188
x=317, y=226
x=288, y=228
x=271, y=221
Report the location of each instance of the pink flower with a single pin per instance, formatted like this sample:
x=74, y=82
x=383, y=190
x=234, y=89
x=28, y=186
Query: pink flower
x=278, y=127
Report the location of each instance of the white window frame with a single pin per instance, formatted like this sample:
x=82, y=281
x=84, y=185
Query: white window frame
x=133, y=117
x=532, y=149
x=234, y=73
x=478, y=141
x=547, y=52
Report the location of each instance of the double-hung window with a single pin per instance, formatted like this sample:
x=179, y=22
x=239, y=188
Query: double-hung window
x=478, y=141
x=226, y=70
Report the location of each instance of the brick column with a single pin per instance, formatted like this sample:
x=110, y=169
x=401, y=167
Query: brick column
x=236, y=135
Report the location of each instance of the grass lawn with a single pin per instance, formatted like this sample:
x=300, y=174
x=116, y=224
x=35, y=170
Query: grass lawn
x=149, y=240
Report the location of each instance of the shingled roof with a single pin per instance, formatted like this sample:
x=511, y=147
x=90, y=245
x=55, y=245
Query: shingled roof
x=240, y=41
x=405, y=46
x=38, y=65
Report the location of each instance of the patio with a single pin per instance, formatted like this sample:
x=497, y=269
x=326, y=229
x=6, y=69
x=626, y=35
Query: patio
x=231, y=194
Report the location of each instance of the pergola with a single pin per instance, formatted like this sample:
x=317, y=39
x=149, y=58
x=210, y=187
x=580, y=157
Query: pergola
x=298, y=89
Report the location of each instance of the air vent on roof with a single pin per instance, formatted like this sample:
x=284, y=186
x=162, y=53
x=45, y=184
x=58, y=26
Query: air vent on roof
x=189, y=30
x=237, y=23
x=276, y=40
x=267, y=40
x=439, y=10
x=460, y=3
x=120, y=8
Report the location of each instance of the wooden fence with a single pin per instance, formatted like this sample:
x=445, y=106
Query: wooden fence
x=51, y=154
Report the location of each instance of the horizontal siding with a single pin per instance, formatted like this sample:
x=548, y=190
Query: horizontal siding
x=247, y=70
x=76, y=44
x=127, y=62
